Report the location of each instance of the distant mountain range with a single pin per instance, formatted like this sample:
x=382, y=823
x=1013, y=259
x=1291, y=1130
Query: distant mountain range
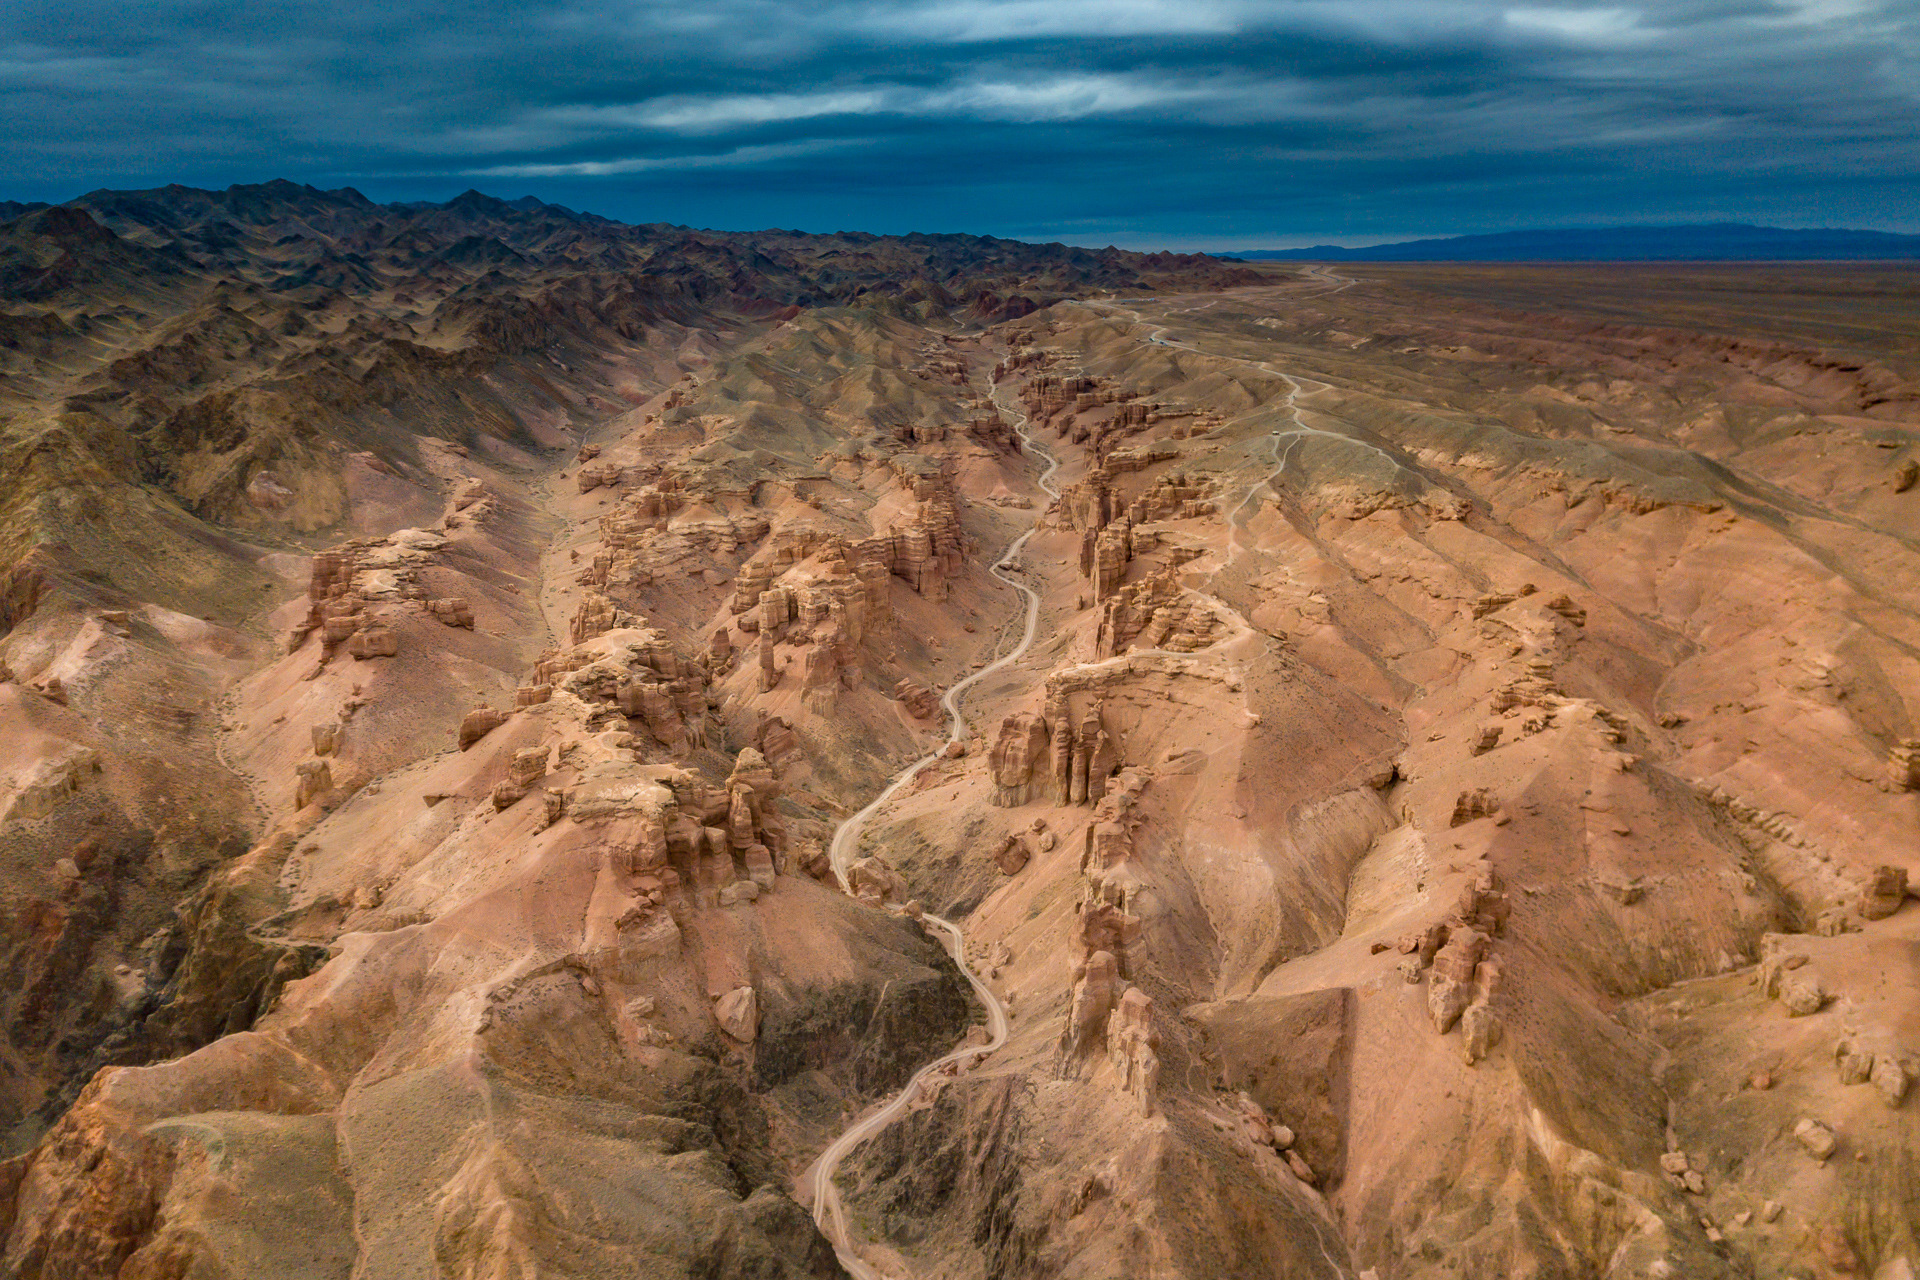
x=1706, y=242
x=536, y=260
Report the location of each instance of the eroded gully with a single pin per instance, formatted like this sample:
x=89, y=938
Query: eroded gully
x=828, y=1211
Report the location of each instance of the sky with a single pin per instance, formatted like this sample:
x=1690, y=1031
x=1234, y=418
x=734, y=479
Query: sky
x=1185, y=124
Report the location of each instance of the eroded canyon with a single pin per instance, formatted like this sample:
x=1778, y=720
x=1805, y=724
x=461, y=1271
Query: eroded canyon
x=505, y=712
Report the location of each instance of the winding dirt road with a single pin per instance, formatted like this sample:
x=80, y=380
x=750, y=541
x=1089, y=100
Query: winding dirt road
x=828, y=1211
x=1296, y=388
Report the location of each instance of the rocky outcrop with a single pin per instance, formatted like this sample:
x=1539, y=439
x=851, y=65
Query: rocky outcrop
x=454, y=611
x=1784, y=975
x=643, y=542
x=921, y=702
x=821, y=672
x=373, y=640
x=633, y=675
x=1154, y=613
x=1049, y=395
x=1903, y=765
x=1463, y=975
x=1177, y=496
x=606, y=475
x=777, y=742
x=1131, y=1045
x=1096, y=989
x=314, y=782
x=358, y=588
x=478, y=723
x=1087, y=506
x=1055, y=754
x=1470, y=806
x=767, y=661
x=930, y=547
x=871, y=879
x=527, y=767
x=595, y=616
x=1450, y=989
x=1019, y=759
x=1092, y=758
x=1104, y=555
x=51, y=783
x=816, y=595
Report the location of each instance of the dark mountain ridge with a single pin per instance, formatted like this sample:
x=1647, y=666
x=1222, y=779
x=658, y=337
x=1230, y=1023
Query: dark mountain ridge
x=298, y=232
x=1707, y=242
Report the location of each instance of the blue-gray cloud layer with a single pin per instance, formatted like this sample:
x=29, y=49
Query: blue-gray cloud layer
x=1144, y=122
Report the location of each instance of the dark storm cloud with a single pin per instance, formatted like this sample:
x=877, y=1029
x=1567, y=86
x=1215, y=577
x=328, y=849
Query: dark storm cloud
x=1216, y=122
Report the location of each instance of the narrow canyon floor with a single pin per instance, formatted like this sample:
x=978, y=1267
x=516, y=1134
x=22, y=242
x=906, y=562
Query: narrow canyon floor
x=1452, y=812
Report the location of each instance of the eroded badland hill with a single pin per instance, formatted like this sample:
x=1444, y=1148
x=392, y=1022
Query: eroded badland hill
x=1438, y=797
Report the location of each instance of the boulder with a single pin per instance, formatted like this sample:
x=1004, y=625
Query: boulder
x=1890, y=1077
x=738, y=1013
x=1817, y=1139
x=1801, y=993
x=1853, y=1065
x=1472, y=805
x=454, y=611
x=1884, y=893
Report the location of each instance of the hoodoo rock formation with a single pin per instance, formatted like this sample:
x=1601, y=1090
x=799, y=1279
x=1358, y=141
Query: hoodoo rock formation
x=541, y=747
